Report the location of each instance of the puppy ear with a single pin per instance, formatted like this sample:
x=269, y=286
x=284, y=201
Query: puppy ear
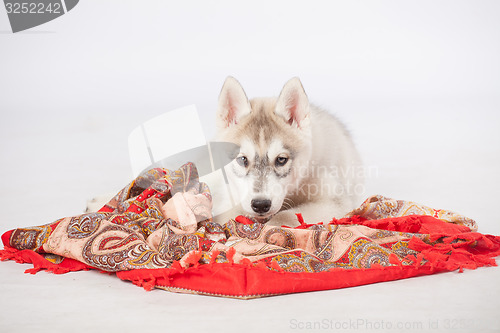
x=293, y=104
x=233, y=103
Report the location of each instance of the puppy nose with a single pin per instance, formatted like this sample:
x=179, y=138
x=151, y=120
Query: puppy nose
x=261, y=205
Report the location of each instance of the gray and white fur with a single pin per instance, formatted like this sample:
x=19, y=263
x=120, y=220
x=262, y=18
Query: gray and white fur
x=293, y=157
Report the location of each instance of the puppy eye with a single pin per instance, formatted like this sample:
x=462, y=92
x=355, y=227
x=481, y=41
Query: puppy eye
x=281, y=161
x=242, y=160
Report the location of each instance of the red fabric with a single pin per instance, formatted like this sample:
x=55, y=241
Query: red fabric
x=137, y=237
x=422, y=224
x=39, y=262
x=237, y=280
x=245, y=280
x=243, y=220
x=6, y=237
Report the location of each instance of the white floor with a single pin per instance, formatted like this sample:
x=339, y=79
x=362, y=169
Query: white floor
x=417, y=85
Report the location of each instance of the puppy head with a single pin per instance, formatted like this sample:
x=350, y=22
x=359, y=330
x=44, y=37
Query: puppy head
x=273, y=136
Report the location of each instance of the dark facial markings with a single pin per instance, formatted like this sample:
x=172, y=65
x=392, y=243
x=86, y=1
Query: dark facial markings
x=283, y=173
x=261, y=164
x=262, y=167
x=281, y=161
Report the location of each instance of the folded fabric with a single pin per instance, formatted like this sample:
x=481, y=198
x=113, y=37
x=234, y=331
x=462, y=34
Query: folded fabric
x=158, y=232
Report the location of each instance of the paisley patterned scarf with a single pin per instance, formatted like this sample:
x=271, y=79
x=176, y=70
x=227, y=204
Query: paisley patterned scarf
x=157, y=233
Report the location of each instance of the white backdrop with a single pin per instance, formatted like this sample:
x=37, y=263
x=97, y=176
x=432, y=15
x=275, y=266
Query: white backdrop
x=416, y=82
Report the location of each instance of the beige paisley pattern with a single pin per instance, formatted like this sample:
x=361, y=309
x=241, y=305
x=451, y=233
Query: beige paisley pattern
x=379, y=207
x=163, y=216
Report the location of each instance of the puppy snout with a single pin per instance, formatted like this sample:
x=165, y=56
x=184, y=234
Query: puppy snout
x=261, y=206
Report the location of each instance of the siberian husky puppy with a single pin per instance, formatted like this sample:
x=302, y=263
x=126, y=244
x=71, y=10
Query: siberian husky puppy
x=292, y=157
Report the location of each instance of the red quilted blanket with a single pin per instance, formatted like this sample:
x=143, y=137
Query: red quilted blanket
x=158, y=233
